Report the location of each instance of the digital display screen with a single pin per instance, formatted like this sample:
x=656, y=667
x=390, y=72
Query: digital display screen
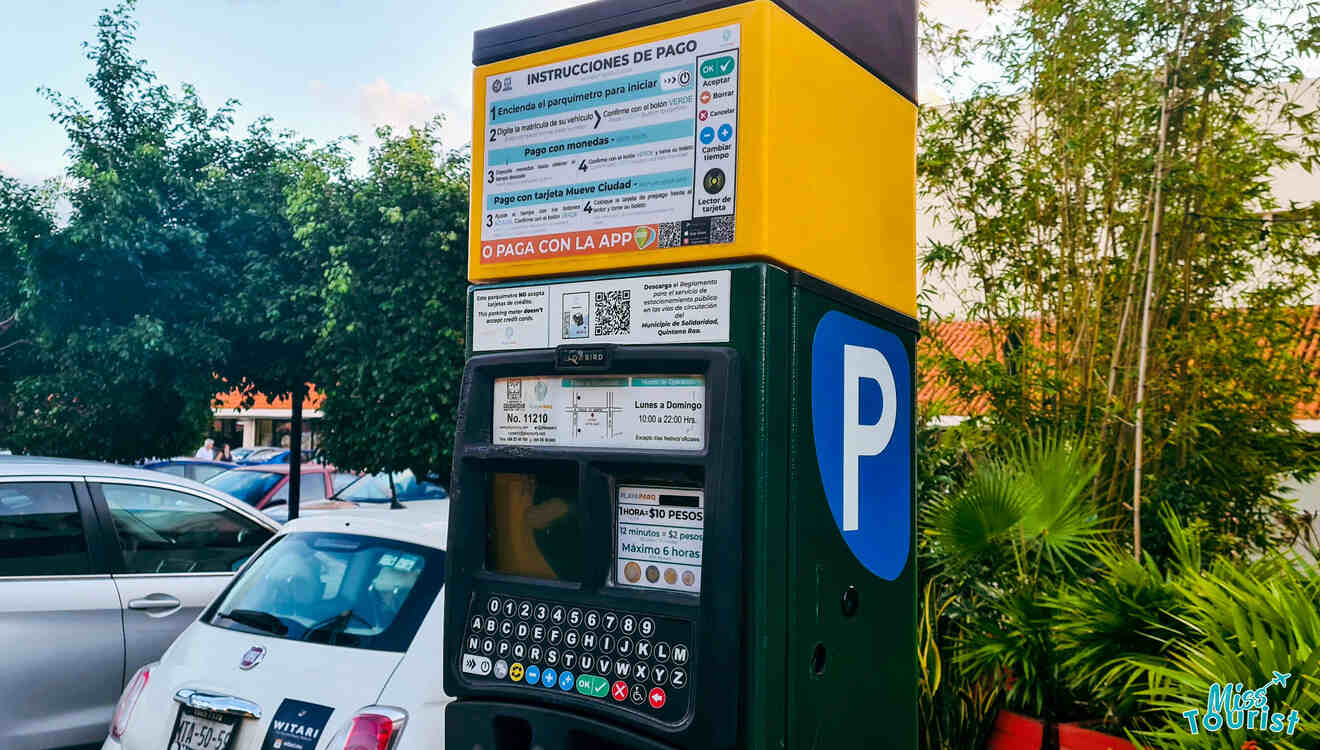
x=534, y=528
x=659, y=534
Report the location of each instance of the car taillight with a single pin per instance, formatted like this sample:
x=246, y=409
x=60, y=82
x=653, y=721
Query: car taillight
x=372, y=728
x=128, y=700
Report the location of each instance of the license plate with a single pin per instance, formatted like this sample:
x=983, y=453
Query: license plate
x=196, y=729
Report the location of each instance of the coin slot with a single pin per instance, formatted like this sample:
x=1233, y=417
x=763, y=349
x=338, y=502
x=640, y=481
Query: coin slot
x=818, y=660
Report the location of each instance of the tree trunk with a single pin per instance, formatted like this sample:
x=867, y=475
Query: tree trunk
x=1156, y=214
x=295, y=450
x=394, y=491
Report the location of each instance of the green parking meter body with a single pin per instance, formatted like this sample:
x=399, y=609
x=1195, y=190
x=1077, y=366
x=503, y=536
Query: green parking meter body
x=682, y=501
x=788, y=623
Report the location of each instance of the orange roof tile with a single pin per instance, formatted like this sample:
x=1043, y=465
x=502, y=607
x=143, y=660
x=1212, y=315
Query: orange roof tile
x=970, y=339
x=234, y=400
x=1308, y=350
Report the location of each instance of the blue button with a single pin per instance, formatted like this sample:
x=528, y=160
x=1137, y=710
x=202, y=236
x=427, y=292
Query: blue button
x=708, y=135
x=549, y=678
x=726, y=132
x=566, y=681
x=533, y=675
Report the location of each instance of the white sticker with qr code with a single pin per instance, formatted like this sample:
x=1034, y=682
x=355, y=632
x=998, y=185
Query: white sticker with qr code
x=669, y=309
x=657, y=412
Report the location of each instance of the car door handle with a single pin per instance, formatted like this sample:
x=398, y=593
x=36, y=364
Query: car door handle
x=161, y=602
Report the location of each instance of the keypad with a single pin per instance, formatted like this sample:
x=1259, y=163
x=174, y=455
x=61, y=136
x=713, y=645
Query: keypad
x=629, y=660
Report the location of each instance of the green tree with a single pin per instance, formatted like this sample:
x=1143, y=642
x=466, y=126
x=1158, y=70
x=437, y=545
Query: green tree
x=392, y=346
x=272, y=302
x=1108, y=190
x=25, y=220
x=119, y=298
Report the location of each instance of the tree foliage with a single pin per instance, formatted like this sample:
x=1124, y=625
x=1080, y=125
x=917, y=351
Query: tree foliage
x=1046, y=173
x=119, y=297
x=391, y=350
x=176, y=275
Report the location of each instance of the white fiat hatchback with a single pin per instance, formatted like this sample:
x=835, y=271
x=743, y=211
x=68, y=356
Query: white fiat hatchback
x=329, y=637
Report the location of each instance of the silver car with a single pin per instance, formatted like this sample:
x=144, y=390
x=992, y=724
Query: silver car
x=101, y=566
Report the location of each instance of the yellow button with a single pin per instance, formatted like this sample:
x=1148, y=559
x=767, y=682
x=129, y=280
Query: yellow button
x=516, y=672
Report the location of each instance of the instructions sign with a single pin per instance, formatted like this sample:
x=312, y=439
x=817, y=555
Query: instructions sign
x=659, y=533
x=624, y=151
x=659, y=412
x=669, y=309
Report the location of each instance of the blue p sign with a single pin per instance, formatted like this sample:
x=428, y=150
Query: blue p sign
x=861, y=417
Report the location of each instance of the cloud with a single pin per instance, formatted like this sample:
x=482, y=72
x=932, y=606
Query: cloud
x=381, y=104
x=378, y=103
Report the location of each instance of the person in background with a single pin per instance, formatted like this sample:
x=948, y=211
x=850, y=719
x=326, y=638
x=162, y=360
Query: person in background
x=207, y=451
x=224, y=454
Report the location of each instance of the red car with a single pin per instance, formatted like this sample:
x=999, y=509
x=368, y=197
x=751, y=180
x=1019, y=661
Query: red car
x=267, y=485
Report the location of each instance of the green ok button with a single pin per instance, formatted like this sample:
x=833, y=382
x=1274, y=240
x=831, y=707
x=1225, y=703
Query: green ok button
x=593, y=686
x=720, y=66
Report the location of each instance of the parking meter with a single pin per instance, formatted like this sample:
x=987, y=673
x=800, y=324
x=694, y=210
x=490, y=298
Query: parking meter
x=682, y=499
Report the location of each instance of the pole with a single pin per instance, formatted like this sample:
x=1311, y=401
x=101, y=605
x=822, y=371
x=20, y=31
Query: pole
x=295, y=450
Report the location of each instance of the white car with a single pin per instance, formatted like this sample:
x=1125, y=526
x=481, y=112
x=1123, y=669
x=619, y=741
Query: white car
x=329, y=637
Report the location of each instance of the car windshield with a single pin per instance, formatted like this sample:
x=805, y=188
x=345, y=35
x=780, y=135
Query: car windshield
x=338, y=589
x=376, y=489
x=248, y=486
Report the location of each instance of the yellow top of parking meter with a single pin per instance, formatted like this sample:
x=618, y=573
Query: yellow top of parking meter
x=733, y=134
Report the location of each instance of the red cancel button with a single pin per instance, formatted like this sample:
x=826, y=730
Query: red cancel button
x=621, y=691
x=657, y=697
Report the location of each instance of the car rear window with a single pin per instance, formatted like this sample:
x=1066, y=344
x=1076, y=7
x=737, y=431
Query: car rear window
x=248, y=486
x=376, y=489
x=339, y=589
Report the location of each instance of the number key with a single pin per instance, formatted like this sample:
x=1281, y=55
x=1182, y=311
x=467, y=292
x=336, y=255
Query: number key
x=611, y=621
x=575, y=617
x=628, y=624
x=524, y=610
x=542, y=611
x=592, y=619
x=646, y=627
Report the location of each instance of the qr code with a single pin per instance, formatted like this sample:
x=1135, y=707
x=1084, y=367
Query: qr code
x=613, y=313
x=721, y=230
x=671, y=234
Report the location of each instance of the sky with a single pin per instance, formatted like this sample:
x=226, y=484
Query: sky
x=324, y=68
